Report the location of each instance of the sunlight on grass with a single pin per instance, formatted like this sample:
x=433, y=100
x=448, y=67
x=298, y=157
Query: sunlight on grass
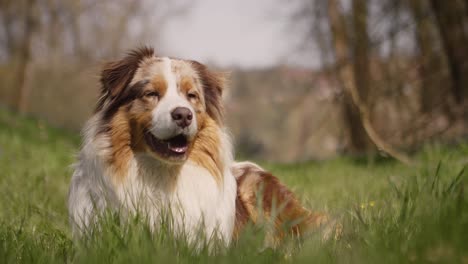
x=390, y=213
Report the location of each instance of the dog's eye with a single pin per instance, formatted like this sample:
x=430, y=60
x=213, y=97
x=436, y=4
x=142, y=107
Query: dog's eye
x=152, y=94
x=192, y=95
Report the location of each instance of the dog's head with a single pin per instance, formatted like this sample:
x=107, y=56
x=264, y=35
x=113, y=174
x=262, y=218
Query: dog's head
x=164, y=102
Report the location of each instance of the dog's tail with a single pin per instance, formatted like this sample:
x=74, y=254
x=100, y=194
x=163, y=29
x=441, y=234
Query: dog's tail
x=263, y=199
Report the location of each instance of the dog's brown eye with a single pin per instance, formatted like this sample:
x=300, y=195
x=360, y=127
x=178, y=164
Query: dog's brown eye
x=152, y=94
x=192, y=96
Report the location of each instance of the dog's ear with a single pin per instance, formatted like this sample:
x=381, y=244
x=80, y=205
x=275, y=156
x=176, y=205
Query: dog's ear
x=213, y=86
x=117, y=75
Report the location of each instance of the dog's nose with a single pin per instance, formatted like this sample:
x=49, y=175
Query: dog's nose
x=182, y=116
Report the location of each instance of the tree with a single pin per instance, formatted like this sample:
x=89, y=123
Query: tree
x=431, y=61
x=451, y=20
x=350, y=77
x=24, y=56
x=357, y=136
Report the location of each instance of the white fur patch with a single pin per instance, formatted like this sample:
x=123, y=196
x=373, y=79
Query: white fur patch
x=163, y=126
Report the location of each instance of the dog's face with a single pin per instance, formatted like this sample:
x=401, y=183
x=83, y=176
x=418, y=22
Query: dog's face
x=165, y=101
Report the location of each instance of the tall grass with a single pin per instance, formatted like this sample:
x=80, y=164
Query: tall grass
x=390, y=213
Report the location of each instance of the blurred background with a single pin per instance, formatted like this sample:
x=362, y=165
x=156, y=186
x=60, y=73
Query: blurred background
x=310, y=79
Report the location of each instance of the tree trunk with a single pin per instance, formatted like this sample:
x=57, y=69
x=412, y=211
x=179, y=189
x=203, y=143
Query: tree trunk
x=74, y=15
x=7, y=18
x=348, y=80
x=55, y=32
x=360, y=64
x=24, y=58
x=432, y=63
x=356, y=135
x=358, y=142
x=361, y=49
x=450, y=17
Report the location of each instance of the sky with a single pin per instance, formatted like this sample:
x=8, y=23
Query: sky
x=230, y=33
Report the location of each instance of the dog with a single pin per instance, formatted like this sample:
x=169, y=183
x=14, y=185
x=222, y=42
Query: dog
x=157, y=143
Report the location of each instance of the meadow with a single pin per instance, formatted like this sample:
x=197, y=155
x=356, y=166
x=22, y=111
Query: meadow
x=390, y=213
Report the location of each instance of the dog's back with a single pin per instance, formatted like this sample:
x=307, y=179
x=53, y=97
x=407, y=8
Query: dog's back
x=263, y=199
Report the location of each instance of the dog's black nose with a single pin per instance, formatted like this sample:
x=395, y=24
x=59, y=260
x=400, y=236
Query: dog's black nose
x=182, y=116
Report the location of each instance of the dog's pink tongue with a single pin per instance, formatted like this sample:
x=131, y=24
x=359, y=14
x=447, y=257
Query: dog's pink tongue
x=178, y=149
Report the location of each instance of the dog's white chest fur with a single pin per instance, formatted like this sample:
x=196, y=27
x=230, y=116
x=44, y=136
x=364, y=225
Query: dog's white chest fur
x=194, y=201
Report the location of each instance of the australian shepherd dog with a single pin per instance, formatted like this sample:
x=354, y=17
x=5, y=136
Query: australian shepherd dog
x=157, y=143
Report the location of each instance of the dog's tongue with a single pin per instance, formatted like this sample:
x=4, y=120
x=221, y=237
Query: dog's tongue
x=178, y=144
x=178, y=149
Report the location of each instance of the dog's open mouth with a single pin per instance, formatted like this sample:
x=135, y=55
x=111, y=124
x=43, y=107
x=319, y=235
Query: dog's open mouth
x=173, y=147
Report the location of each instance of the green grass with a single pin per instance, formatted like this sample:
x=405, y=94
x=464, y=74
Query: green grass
x=390, y=213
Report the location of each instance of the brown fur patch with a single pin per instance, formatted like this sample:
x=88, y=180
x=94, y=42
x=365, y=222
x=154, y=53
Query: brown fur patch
x=126, y=127
x=213, y=85
x=117, y=75
x=120, y=138
x=186, y=84
x=205, y=149
x=261, y=197
x=159, y=85
x=242, y=216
